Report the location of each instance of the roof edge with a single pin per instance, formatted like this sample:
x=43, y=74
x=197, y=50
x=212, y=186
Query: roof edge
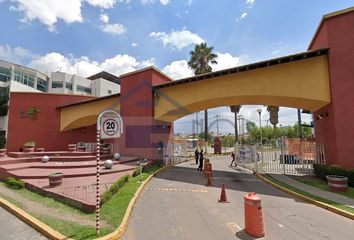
x=327, y=16
x=145, y=69
x=247, y=67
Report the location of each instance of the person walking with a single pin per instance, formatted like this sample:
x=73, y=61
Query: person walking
x=233, y=159
x=196, y=155
x=201, y=158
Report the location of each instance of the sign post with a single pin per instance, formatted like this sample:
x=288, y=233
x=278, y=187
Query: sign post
x=111, y=124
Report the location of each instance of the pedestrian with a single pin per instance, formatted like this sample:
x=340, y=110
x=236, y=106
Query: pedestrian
x=201, y=158
x=233, y=159
x=196, y=155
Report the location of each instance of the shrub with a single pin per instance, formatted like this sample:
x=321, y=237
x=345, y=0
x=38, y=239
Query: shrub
x=136, y=172
x=114, y=189
x=2, y=142
x=322, y=171
x=14, y=183
x=350, y=176
x=335, y=169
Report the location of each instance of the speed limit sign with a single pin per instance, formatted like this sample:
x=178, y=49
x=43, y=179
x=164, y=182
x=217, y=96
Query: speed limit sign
x=110, y=127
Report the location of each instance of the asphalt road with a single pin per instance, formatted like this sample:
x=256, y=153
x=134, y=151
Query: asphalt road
x=176, y=204
x=11, y=228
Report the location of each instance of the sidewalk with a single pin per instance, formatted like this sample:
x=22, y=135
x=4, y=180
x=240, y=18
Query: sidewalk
x=314, y=191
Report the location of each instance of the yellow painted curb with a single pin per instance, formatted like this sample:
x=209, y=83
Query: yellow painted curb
x=33, y=222
x=118, y=233
x=307, y=199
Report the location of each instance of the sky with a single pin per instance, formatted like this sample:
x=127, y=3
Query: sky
x=87, y=36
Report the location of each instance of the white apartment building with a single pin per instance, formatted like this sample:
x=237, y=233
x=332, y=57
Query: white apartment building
x=17, y=78
x=60, y=82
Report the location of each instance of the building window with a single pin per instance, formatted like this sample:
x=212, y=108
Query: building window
x=69, y=86
x=5, y=74
x=57, y=84
x=41, y=85
x=109, y=91
x=83, y=89
x=24, y=78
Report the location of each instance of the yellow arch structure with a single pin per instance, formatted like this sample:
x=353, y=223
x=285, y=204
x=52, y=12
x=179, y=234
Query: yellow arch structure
x=85, y=113
x=300, y=83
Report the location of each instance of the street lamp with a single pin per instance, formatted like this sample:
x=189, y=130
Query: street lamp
x=260, y=130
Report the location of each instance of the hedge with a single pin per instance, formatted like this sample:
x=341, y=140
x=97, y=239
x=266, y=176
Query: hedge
x=114, y=189
x=14, y=183
x=322, y=171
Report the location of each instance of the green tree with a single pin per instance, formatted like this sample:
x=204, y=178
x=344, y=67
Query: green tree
x=200, y=59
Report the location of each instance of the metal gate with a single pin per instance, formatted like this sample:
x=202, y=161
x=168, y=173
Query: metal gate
x=291, y=156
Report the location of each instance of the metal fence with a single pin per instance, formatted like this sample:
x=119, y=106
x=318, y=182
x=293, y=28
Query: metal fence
x=288, y=156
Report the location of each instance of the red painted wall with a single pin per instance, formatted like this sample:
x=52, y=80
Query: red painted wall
x=45, y=130
x=141, y=134
x=336, y=131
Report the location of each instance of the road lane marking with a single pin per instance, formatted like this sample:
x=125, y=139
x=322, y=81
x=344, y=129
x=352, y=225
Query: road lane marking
x=176, y=190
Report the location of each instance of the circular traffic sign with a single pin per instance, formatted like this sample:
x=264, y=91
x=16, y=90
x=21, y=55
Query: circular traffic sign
x=110, y=126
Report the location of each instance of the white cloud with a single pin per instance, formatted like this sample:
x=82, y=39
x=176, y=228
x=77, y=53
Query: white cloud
x=178, y=69
x=147, y=2
x=190, y=2
x=114, y=29
x=250, y=3
x=102, y=3
x=225, y=60
x=177, y=39
x=49, y=12
x=104, y=18
x=134, y=44
x=243, y=15
x=85, y=67
x=15, y=55
x=164, y=2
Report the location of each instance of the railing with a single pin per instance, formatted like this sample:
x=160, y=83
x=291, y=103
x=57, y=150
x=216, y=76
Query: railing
x=290, y=156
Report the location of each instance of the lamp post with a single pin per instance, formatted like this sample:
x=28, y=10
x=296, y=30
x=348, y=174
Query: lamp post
x=260, y=130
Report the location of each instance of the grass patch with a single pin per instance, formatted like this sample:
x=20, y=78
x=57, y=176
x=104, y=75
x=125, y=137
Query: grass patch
x=73, y=230
x=111, y=211
x=114, y=209
x=318, y=183
x=319, y=199
x=17, y=204
x=51, y=203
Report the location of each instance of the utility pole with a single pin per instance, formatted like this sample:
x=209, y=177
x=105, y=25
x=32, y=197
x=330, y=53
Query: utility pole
x=217, y=125
x=206, y=130
x=196, y=116
x=299, y=122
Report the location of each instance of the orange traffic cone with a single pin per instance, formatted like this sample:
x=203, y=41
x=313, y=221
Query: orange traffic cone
x=223, y=198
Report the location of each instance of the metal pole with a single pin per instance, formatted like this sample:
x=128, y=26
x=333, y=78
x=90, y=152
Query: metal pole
x=260, y=132
x=196, y=115
x=236, y=135
x=206, y=130
x=217, y=125
x=98, y=182
x=299, y=122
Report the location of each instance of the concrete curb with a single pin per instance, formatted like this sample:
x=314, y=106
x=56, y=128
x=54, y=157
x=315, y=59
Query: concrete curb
x=52, y=234
x=118, y=233
x=307, y=199
x=33, y=222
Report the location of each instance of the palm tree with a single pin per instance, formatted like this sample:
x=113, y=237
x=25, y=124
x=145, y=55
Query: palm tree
x=200, y=59
x=235, y=109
